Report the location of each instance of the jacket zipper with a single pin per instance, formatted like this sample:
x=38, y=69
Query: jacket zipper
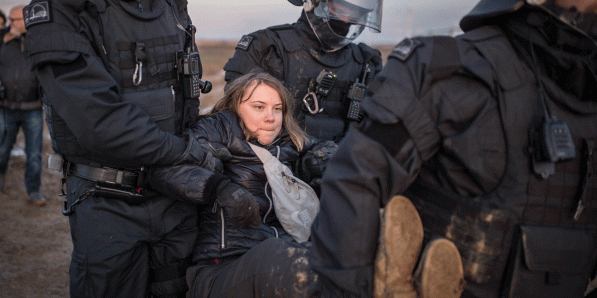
x=214, y=210
x=271, y=202
x=223, y=244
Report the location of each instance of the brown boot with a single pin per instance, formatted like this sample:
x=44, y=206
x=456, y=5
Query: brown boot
x=401, y=237
x=37, y=199
x=440, y=273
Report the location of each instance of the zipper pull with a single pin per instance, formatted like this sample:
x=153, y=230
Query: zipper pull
x=579, y=209
x=140, y=6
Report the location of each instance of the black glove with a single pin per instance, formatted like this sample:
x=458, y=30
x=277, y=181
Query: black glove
x=185, y=182
x=314, y=162
x=239, y=204
x=202, y=153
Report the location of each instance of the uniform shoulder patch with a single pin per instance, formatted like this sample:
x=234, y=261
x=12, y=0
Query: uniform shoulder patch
x=405, y=48
x=244, y=42
x=36, y=13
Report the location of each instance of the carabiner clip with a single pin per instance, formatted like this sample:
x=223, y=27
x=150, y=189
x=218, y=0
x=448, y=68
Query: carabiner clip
x=308, y=105
x=138, y=75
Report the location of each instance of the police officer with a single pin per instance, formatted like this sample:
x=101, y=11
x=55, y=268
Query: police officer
x=117, y=82
x=492, y=136
x=320, y=65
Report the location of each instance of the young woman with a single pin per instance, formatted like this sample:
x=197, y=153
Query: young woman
x=254, y=261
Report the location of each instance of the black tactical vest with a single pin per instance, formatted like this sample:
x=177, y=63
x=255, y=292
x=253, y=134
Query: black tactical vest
x=133, y=40
x=138, y=48
x=303, y=64
x=483, y=227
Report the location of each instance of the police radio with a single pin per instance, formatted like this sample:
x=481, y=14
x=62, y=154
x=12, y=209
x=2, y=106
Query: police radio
x=319, y=89
x=555, y=142
x=356, y=95
x=325, y=81
x=551, y=143
x=189, y=68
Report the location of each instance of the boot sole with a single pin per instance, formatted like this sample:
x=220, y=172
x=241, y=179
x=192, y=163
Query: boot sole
x=401, y=238
x=440, y=273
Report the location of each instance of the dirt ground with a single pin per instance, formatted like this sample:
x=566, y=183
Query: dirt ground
x=35, y=242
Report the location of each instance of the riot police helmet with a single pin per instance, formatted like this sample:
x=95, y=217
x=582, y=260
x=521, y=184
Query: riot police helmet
x=569, y=12
x=336, y=23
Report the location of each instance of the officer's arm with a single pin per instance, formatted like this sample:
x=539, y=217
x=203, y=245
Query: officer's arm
x=361, y=175
x=255, y=52
x=81, y=91
x=382, y=156
x=247, y=57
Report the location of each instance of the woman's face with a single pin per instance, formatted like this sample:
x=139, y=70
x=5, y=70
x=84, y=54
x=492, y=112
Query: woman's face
x=262, y=113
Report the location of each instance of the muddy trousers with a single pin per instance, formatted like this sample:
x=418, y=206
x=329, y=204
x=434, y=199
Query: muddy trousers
x=123, y=250
x=274, y=268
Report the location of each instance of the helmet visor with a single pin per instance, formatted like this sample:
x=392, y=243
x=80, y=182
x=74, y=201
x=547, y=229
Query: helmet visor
x=357, y=12
x=333, y=34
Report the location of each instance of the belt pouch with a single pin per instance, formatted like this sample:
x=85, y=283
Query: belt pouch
x=549, y=262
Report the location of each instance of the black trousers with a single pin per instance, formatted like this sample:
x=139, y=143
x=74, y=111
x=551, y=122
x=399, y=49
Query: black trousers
x=274, y=268
x=123, y=250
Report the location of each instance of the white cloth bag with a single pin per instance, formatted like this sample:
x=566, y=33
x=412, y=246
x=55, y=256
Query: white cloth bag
x=296, y=204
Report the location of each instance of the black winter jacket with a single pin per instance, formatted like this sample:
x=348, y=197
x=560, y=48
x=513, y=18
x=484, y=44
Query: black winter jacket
x=217, y=239
x=22, y=87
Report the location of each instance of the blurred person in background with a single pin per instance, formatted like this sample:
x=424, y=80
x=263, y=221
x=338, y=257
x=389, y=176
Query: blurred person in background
x=20, y=105
x=2, y=20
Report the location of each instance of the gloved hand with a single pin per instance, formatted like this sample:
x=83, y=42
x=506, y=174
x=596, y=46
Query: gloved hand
x=184, y=182
x=239, y=204
x=315, y=160
x=202, y=153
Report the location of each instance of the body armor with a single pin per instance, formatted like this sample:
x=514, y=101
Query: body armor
x=305, y=65
x=483, y=226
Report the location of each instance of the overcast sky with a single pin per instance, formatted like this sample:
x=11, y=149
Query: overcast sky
x=230, y=19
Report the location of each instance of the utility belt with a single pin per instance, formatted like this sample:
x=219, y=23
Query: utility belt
x=107, y=176
x=501, y=256
x=25, y=106
x=125, y=185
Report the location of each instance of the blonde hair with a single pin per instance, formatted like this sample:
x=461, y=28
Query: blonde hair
x=246, y=84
